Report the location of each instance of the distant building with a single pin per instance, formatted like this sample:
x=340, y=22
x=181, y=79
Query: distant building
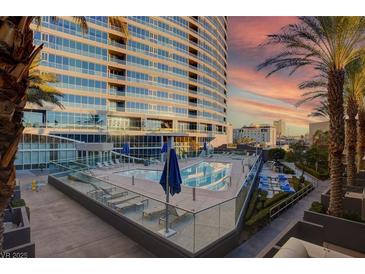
x=265, y=135
x=313, y=127
x=280, y=128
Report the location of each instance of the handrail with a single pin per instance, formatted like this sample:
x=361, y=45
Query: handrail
x=156, y=199
x=293, y=198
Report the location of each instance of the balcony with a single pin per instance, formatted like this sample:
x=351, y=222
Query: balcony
x=116, y=44
x=117, y=76
x=117, y=60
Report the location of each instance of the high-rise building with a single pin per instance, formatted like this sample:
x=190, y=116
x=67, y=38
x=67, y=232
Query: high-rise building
x=264, y=135
x=280, y=128
x=167, y=78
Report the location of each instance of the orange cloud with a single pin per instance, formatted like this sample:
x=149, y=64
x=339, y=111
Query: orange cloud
x=282, y=88
x=250, y=31
x=271, y=112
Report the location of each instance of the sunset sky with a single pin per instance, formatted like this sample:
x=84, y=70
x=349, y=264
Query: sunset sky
x=252, y=97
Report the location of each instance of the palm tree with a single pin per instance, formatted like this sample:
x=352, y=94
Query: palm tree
x=321, y=110
x=39, y=91
x=361, y=139
x=326, y=44
x=354, y=92
x=17, y=53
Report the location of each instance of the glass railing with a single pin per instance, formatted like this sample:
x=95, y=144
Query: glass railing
x=195, y=230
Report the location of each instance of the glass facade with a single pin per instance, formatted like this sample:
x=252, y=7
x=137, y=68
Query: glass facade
x=169, y=74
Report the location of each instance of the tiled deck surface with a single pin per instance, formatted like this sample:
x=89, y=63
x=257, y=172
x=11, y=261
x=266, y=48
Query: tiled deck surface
x=60, y=227
x=204, y=198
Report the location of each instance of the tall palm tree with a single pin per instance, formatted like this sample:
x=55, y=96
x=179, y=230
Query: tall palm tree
x=327, y=44
x=361, y=139
x=321, y=110
x=17, y=53
x=354, y=93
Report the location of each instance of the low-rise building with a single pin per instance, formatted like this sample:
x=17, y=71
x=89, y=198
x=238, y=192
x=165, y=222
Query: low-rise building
x=265, y=135
x=280, y=128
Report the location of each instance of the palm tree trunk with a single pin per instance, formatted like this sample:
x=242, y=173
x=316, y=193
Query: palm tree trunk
x=361, y=140
x=336, y=139
x=16, y=54
x=351, y=137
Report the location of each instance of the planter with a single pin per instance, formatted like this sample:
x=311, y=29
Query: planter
x=339, y=231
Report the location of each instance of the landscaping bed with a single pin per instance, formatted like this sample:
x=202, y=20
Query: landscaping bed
x=320, y=174
x=258, y=212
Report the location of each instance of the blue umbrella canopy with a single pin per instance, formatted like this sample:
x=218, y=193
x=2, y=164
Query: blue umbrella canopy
x=164, y=148
x=205, y=146
x=126, y=149
x=174, y=174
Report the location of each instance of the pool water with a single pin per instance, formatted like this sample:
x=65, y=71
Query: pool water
x=207, y=175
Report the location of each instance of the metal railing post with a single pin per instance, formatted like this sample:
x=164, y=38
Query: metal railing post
x=133, y=180
x=194, y=234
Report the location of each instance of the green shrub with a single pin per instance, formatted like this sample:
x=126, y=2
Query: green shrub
x=317, y=207
x=288, y=170
x=276, y=154
x=259, y=219
x=252, y=204
x=276, y=198
x=321, y=174
x=17, y=203
x=352, y=216
x=294, y=181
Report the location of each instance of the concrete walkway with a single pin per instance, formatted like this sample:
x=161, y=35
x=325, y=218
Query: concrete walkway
x=252, y=247
x=60, y=227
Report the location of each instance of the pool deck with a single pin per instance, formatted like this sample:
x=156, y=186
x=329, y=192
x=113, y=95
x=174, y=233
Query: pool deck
x=203, y=198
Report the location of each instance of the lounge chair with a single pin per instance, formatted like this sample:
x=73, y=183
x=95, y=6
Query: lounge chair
x=130, y=203
x=112, y=163
x=122, y=199
x=151, y=212
x=175, y=215
x=106, y=164
x=100, y=165
x=118, y=162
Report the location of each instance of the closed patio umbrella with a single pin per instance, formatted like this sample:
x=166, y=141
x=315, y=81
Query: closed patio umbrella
x=171, y=183
x=126, y=150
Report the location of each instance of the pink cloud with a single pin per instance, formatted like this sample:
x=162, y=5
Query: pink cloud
x=250, y=31
x=271, y=112
x=282, y=88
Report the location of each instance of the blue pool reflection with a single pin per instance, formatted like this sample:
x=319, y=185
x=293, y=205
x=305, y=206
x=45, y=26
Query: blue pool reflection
x=208, y=175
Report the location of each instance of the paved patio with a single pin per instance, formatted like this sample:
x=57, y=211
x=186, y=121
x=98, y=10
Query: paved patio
x=60, y=227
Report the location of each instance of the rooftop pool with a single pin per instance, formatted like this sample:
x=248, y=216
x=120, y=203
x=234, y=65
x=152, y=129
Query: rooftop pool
x=207, y=175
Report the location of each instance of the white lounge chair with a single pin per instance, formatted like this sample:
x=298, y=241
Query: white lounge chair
x=100, y=165
x=118, y=162
x=151, y=212
x=106, y=164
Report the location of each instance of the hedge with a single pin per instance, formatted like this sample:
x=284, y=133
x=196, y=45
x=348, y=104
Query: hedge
x=317, y=207
x=251, y=206
x=274, y=199
x=313, y=172
x=260, y=218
